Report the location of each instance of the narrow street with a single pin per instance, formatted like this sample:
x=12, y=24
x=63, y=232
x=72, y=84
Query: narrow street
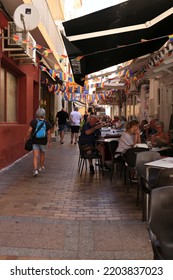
x=62, y=215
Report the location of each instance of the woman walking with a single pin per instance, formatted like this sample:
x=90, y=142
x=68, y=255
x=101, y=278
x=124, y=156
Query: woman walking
x=40, y=129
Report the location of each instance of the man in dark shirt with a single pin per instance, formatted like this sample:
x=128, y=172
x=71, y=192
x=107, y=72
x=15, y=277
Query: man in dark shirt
x=85, y=117
x=62, y=117
x=90, y=133
x=150, y=129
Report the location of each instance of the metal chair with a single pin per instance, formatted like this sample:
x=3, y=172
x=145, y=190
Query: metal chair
x=130, y=162
x=84, y=156
x=116, y=157
x=163, y=176
x=160, y=224
x=141, y=159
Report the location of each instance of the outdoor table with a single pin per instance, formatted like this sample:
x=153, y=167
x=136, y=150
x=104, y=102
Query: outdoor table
x=106, y=141
x=162, y=163
x=112, y=136
x=109, y=132
x=157, y=149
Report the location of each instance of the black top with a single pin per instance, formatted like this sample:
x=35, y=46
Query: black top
x=85, y=117
x=62, y=117
x=40, y=141
x=88, y=139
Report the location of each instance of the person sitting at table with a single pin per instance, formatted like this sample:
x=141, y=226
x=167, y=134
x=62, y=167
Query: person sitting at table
x=143, y=125
x=115, y=122
x=129, y=137
x=122, y=123
x=150, y=129
x=90, y=133
x=160, y=138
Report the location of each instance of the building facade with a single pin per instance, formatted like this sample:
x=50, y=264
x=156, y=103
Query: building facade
x=21, y=89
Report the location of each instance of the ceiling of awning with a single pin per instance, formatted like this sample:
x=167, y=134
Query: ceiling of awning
x=101, y=52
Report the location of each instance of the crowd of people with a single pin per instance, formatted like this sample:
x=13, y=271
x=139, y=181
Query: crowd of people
x=86, y=130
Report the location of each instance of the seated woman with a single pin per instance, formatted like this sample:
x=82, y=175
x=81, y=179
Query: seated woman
x=160, y=138
x=129, y=137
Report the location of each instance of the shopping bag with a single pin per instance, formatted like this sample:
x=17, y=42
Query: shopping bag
x=28, y=145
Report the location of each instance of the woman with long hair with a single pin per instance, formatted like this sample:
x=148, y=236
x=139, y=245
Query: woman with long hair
x=129, y=137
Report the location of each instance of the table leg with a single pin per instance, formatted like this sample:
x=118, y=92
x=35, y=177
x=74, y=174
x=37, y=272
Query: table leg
x=147, y=207
x=147, y=195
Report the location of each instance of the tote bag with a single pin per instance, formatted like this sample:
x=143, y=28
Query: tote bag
x=28, y=144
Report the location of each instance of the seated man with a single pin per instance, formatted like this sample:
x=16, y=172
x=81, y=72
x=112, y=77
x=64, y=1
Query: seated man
x=89, y=134
x=143, y=126
x=150, y=129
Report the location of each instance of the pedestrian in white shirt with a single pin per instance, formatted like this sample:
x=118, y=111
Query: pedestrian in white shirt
x=75, y=118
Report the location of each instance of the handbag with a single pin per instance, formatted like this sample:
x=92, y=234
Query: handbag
x=29, y=142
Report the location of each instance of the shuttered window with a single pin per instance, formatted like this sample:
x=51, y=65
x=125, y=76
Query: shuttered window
x=8, y=97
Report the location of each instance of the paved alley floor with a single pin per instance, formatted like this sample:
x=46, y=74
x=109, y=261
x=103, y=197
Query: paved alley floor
x=62, y=215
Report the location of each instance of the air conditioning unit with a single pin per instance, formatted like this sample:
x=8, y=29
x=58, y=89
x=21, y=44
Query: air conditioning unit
x=31, y=47
x=14, y=30
x=25, y=52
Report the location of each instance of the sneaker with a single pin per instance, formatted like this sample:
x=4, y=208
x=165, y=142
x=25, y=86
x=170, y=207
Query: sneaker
x=105, y=168
x=71, y=142
x=42, y=168
x=134, y=180
x=92, y=169
x=75, y=143
x=61, y=142
x=35, y=172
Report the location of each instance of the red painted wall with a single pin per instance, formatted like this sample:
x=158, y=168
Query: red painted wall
x=12, y=134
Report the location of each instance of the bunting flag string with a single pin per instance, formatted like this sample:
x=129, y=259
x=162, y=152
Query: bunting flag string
x=46, y=51
x=70, y=90
x=78, y=58
x=127, y=74
x=38, y=47
x=74, y=96
x=171, y=38
x=15, y=37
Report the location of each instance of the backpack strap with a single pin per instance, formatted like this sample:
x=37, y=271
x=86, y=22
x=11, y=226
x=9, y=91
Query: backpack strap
x=40, y=126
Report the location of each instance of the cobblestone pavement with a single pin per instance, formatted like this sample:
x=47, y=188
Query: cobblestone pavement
x=62, y=215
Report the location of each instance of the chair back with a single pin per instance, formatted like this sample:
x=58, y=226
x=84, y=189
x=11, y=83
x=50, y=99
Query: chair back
x=113, y=145
x=88, y=152
x=165, y=177
x=161, y=222
x=81, y=151
x=130, y=155
x=144, y=157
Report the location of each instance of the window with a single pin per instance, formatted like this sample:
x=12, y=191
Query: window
x=8, y=97
x=2, y=96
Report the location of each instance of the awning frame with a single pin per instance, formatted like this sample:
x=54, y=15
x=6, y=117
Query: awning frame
x=145, y=25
